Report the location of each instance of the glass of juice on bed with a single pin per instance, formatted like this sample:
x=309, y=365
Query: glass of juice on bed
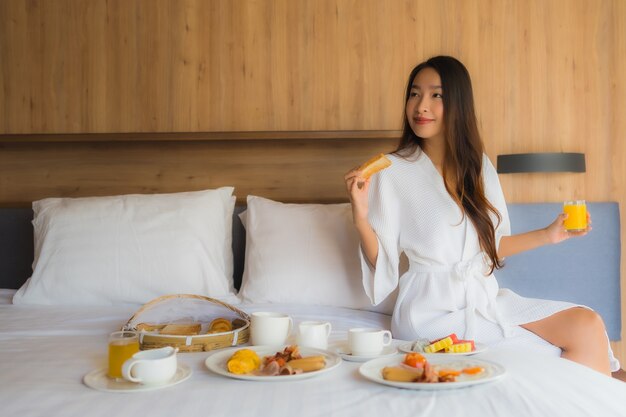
x=122, y=346
x=576, y=215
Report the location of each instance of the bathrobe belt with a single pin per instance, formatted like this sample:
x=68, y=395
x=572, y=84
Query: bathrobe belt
x=477, y=299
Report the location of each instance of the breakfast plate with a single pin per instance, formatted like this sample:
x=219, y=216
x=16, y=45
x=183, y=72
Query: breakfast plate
x=372, y=370
x=479, y=347
x=217, y=363
x=99, y=380
x=344, y=351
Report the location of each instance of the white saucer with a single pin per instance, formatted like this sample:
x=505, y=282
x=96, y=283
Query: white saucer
x=99, y=380
x=344, y=351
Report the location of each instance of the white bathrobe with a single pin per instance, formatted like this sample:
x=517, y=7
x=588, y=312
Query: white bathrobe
x=445, y=289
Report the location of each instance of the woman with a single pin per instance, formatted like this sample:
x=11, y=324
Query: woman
x=441, y=204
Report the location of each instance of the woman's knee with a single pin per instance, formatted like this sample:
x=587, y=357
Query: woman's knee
x=586, y=324
x=571, y=329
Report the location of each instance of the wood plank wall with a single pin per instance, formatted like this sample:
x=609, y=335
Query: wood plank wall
x=548, y=76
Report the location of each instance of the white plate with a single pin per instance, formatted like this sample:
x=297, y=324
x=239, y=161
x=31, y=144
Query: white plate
x=99, y=380
x=372, y=370
x=217, y=363
x=344, y=351
x=479, y=347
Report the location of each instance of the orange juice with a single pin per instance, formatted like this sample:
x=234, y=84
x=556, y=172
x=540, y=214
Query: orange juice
x=576, y=215
x=121, y=348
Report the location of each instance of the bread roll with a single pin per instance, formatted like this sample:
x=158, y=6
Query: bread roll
x=374, y=165
x=220, y=325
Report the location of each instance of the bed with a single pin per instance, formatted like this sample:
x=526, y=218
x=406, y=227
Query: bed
x=49, y=341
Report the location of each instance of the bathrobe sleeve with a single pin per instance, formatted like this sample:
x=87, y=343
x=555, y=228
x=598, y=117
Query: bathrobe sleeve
x=381, y=280
x=493, y=191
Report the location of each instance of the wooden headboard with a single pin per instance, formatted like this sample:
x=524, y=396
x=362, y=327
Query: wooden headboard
x=284, y=166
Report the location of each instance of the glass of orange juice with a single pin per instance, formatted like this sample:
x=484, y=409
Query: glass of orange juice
x=122, y=345
x=576, y=215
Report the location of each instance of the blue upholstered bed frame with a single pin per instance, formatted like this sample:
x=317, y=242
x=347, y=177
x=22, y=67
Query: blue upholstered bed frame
x=584, y=270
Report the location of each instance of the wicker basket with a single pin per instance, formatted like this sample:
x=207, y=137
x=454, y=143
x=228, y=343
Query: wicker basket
x=196, y=343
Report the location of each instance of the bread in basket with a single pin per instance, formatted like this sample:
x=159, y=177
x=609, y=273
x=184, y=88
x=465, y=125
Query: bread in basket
x=192, y=323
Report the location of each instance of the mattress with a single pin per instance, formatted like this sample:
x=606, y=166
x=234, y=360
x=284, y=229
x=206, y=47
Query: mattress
x=46, y=351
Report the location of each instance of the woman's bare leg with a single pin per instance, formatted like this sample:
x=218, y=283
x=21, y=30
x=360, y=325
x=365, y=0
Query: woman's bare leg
x=580, y=333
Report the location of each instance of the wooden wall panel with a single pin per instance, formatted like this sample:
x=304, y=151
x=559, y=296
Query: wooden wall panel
x=548, y=76
x=221, y=65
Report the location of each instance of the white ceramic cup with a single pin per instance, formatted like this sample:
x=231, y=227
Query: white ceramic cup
x=365, y=341
x=314, y=334
x=269, y=328
x=151, y=367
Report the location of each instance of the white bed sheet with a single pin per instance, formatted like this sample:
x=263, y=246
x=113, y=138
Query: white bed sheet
x=46, y=351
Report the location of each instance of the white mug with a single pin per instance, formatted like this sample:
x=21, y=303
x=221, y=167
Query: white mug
x=365, y=341
x=314, y=334
x=268, y=328
x=149, y=367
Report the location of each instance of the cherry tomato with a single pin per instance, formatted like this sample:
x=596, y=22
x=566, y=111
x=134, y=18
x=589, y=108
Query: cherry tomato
x=415, y=360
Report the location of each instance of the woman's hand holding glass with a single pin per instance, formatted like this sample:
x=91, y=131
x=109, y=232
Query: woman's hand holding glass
x=556, y=231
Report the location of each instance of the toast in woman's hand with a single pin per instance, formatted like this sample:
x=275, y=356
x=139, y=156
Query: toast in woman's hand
x=371, y=167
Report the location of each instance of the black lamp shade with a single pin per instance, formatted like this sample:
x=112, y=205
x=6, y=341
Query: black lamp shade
x=541, y=162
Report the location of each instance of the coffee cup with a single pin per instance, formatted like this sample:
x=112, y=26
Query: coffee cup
x=269, y=328
x=365, y=341
x=314, y=334
x=151, y=367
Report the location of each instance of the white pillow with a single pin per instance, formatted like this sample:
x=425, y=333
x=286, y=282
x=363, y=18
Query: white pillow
x=131, y=248
x=305, y=254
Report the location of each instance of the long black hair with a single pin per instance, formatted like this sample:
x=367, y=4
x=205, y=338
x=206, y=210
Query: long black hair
x=463, y=156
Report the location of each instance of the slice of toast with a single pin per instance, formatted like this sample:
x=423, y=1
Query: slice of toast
x=181, y=329
x=147, y=327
